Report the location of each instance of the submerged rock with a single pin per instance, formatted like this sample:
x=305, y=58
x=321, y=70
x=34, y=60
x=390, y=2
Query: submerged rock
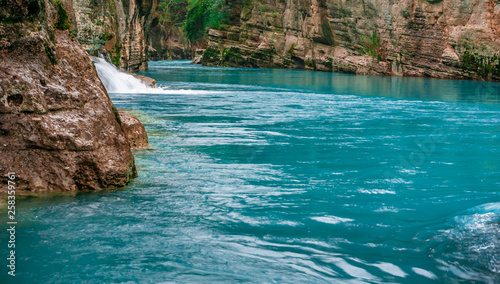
x=58, y=128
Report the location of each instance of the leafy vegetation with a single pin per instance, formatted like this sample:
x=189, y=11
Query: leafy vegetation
x=172, y=12
x=371, y=46
x=115, y=59
x=476, y=59
x=62, y=17
x=204, y=14
x=50, y=54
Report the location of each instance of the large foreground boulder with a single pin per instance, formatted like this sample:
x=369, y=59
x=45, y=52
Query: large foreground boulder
x=58, y=128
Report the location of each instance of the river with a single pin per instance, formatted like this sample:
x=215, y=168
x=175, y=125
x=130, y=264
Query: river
x=286, y=176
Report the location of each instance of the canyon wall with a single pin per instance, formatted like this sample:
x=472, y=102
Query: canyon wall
x=130, y=32
x=167, y=42
x=426, y=38
x=116, y=27
x=166, y=38
x=58, y=128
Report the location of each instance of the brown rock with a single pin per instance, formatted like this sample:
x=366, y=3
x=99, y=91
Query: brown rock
x=134, y=131
x=58, y=127
x=146, y=80
x=197, y=59
x=117, y=26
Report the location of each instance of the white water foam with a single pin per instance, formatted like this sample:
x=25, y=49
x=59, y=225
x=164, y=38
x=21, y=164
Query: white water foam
x=116, y=81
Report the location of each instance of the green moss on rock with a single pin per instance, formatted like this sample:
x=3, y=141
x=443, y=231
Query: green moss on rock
x=50, y=54
x=62, y=18
x=232, y=57
x=211, y=56
x=476, y=59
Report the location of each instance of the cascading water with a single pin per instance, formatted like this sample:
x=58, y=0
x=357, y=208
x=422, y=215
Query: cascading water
x=116, y=81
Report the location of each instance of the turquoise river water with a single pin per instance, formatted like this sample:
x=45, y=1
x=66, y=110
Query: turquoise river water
x=285, y=176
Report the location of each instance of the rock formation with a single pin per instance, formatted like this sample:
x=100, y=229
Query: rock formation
x=116, y=26
x=432, y=38
x=134, y=131
x=165, y=37
x=129, y=31
x=58, y=128
x=146, y=80
x=167, y=43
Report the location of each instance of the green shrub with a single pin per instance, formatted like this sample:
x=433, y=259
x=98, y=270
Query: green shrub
x=62, y=17
x=371, y=46
x=50, y=54
x=116, y=58
x=204, y=14
x=477, y=60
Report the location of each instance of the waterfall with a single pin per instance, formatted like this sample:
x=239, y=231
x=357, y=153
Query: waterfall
x=116, y=81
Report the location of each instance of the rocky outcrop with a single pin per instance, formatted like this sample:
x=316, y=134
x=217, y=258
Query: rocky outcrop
x=58, y=128
x=117, y=26
x=167, y=42
x=443, y=38
x=134, y=131
x=146, y=80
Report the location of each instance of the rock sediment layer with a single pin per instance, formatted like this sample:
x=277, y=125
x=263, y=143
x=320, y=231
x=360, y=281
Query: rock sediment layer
x=443, y=39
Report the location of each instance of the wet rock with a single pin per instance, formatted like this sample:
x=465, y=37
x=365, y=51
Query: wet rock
x=119, y=27
x=197, y=59
x=146, y=80
x=59, y=130
x=168, y=42
x=134, y=131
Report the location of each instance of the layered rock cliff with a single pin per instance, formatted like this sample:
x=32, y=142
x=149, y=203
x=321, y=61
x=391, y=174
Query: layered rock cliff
x=117, y=27
x=131, y=32
x=166, y=38
x=432, y=38
x=167, y=42
x=58, y=128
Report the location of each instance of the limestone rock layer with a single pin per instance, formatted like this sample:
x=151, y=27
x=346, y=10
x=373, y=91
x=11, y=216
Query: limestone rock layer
x=433, y=38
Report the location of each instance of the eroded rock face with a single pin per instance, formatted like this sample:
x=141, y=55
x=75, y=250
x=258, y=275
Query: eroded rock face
x=444, y=39
x=134, y=131
x=167, y=43
x=58, y=128
x=118, y=26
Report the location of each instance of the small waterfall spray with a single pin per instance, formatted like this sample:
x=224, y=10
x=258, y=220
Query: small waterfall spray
x=116, y=81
